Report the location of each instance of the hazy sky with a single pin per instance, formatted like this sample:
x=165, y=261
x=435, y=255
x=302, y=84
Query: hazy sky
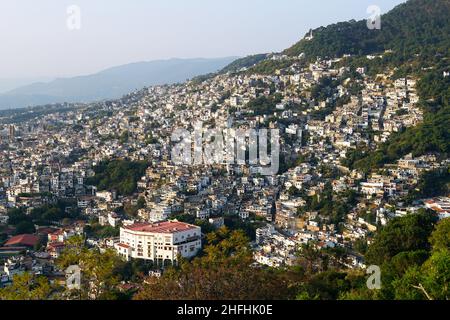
x=36, y=42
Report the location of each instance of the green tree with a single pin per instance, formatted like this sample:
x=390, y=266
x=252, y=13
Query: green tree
x=430, y=281
x=120, y=175
x=440, y=238
x=219, y=274
x=99, y=279
x=27, y=287
x=25, y=227
x=16, y=216
x=407, y=233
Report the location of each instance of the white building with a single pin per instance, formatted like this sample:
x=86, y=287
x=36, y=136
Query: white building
x=262, y=233
x=439, y=205
x=105, y=195
x=160, y=213
x=159, y=242
x=113, y=219
x=370, y=188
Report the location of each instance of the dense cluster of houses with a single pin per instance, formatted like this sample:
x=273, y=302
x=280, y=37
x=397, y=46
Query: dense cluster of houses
x=50, y=157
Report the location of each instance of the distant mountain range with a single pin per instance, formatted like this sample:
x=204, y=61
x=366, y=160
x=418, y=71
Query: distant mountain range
x=111, y=83
x=8, y=84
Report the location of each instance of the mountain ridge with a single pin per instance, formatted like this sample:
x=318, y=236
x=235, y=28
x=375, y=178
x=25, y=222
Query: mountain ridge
x=404, y=28
x=111, y=83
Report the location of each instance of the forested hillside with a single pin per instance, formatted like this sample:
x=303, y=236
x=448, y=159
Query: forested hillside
x=415, y=34
x=418, y=26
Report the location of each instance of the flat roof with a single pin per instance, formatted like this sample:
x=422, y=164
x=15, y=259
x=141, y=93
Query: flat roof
x=162, y=227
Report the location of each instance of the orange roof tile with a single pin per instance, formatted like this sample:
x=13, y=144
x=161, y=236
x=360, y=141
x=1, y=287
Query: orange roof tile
x=28, y=240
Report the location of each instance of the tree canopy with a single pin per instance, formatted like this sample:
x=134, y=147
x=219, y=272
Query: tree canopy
x=120, y=175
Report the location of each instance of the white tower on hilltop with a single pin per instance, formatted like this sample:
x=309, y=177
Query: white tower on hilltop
x=310, y=36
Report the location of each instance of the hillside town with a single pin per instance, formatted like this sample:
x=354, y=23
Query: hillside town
x=324, y=111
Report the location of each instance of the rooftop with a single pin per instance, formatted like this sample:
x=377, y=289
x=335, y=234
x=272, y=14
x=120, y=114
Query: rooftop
x=28, y=240
x=161, y=227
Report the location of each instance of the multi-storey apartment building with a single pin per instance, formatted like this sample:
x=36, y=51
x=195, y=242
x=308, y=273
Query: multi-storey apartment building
x=159, y=242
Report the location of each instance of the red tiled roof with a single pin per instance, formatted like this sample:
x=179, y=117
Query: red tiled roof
x=162, y=227
x=28, y=240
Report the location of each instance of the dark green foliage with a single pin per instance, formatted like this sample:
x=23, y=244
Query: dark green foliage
x=401, y=262
x=352, y=156
x=25, y=227
x=199, y=79
x=124, y=137
x=133, y=270
x=270, y=66
x=434, y=88
x=129, y=209
x=3, y=238
x=285, y=164
x=417, y=32
x=187, y=218
x=360, y=246
x=205, y=225
x=432, y=184
x=141, y=203
x=440, y=239
x=324, y=89
x=47, y=214
x=120, y=175
x=234, y=66
x=325, y=286
x=31, y=195
x=327, y=205
x=264, y=105
x=419, y=274
x=433, y=135
x=44, y=215
x=412, y=267
x=246, y=62
x=409, y=28
x=101, y=232
x=409, y=233
x=16, y=216
x=151, y=140
x=247, y=227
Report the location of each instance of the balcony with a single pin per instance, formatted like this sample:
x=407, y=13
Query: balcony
x=188, y=240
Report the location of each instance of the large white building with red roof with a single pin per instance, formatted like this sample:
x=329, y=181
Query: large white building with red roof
x=160, y=242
